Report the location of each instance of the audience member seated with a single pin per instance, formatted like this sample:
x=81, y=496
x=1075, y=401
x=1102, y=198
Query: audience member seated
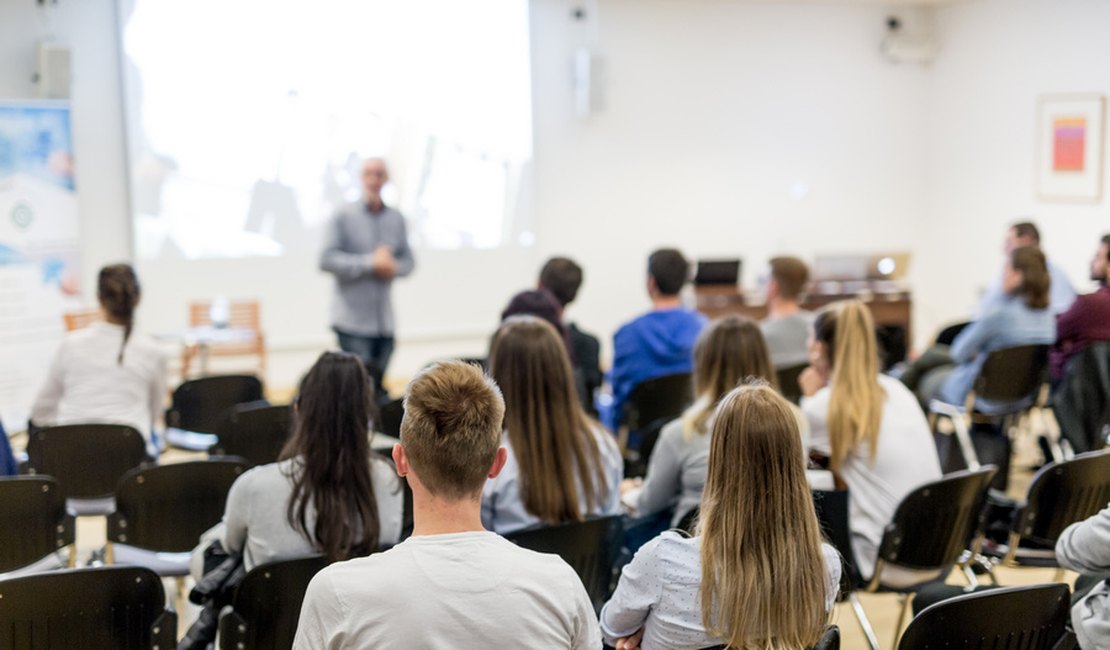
x=1060, y=294
x=329, y=494
x=1088, y=318
x=660, y=342
x=452, y=584
x=561, y=466
x=1085, y=547
x=787, y=325
x=106, y=373
x=868, y=425
x=563, y=277
x=543, y=305
x=729, y=350
x=1023, y=318
x=757, y=575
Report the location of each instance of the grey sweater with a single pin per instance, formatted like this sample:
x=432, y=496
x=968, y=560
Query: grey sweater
x=1085, y=547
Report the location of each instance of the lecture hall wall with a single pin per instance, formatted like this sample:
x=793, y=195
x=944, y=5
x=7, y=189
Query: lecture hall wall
x=725, y=127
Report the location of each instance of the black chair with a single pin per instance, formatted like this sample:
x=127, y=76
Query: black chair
x=788, y=381
x=929, y=533
x=1060, y=495
x=830, y=640
x=390, y=416
x=87, y=460
x=636, y=462
x=1017, y=618
x=267, y=604
x=33, y=522
x=165, y=509
x=947, y=335
x=107, y=607
x=589, y=547
x=254, y=432
x=1010, y=380
x=661, y=398
x=200, y=405
x=1081, y=401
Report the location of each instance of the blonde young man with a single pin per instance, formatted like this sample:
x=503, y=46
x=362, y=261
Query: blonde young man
x=452, y=584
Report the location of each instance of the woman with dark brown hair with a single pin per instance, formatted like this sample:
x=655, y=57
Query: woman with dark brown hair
x=562, y=465
x=105, y=373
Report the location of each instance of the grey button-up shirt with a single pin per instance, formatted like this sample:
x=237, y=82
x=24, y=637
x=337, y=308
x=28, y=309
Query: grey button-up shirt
x=361, y=305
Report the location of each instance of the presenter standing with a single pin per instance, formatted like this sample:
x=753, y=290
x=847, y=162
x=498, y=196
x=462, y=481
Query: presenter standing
x=365, y=248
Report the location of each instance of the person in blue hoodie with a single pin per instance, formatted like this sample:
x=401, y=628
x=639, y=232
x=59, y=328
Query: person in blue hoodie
x=660, y=342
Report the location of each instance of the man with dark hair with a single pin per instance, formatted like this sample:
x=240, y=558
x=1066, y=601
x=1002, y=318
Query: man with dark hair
x=660, y=342
x=1088, y=318
x=562, y=277
x=786, y=327
x=1060, y=292
x=453, y=584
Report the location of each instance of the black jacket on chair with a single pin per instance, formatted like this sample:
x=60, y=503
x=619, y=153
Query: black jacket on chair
x=1081, y=401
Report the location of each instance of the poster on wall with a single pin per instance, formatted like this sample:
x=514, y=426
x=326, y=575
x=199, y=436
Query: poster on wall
x=1070, y=147
x=39, y=247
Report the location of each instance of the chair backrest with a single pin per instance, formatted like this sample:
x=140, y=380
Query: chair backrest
x=33, y=520
x=267, y=604
x=167, y=508
x=661, y=398
x=254, y=432
x=390, y=416
x=107, y=607
x=949, y=333
x=1016, y=618
x=75, y=320
x=87, y=460
x=202, y=404
x=1081, y=401
x=788, y=381
x=244, y=314
x=1012, y=374
x=637, y=465
x=1062, y=494
x=935, y=522
x=832, y=514
x=589, y=547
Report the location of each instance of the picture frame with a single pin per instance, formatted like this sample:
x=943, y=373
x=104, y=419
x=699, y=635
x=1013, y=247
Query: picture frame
x=1070, y=147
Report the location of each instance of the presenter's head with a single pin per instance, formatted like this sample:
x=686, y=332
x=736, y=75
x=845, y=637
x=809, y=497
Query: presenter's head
x=374, y=177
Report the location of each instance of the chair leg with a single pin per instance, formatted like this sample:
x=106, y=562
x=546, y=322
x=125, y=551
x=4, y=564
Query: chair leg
x=906, y=600
x=963, y=436
x=109, y=554
x=72, y=556
x=864, y=622
x=1059, y=575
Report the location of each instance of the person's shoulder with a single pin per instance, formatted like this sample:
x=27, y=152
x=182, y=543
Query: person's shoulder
x=264, y=477
x=895, y=390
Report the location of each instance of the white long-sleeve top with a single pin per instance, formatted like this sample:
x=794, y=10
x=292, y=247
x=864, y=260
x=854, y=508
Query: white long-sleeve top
x=87, y=384
x=1085, y=547
x=660, y=591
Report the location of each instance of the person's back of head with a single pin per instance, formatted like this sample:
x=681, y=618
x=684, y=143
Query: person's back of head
x=118, y=291
x=550, y=434
x=669, y=270
x=1022, y=233
x=1100, y=265
x=763, y=572
x=845, y=334
x=330, y=443
x=562, y=277
x=451, y=429
x=790, y=276
x=730, y=350
x=1033, y=286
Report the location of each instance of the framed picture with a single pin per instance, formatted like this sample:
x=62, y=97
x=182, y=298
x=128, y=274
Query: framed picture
x=1070, y=147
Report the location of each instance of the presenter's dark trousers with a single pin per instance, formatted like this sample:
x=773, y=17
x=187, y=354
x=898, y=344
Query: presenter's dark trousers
x=374, y=352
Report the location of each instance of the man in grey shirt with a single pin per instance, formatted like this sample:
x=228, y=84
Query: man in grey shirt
x=365, y=247
x=786, y=327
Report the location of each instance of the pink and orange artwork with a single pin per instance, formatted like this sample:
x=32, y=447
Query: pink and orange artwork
x=1069, y=142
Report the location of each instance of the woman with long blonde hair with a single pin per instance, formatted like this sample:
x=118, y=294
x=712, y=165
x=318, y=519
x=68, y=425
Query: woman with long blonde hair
x=757, y=575
x=868, y=425
x=562, y=465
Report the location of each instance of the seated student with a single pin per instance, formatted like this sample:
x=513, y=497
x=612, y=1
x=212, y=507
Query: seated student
x=1023, y=318
x=1088, y=318
x=660, y=342
x=330, y=493
x=563, y=277
x=1060, y=292
x=757, y=574
x=729, y=351
x=562, y=466
x=542, y=304
x=106, y=373
x=787, y=325
x=867, y=424
x=452, y=584
x=1085, y=547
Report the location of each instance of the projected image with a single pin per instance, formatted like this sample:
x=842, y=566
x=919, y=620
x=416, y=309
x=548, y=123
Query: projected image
x=248, y=121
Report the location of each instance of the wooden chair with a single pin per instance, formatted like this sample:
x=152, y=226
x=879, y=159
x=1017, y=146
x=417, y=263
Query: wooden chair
x=82, y=318
x=242, y=314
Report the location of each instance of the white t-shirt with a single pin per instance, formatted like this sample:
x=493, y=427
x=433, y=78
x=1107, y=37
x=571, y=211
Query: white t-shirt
x=905, y=458
x=87, y=384
x=460, y=590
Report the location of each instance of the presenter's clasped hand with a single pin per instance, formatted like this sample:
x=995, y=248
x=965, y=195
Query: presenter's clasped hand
x=382, y=262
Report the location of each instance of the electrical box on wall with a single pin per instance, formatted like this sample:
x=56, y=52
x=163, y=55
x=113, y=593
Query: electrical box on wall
x=53, y=77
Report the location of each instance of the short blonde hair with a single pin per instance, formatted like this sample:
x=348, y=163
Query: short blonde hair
x=452, y=428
